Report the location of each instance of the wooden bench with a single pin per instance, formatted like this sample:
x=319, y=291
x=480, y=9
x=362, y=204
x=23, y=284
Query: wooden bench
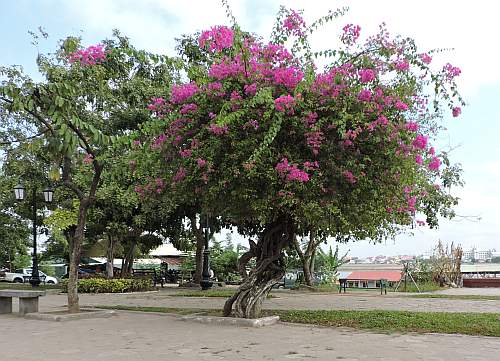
x=28, y=300
x=152, y=273
x=382, y=285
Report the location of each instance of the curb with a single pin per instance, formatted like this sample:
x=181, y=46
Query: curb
x=71, y=317
x=232, y=321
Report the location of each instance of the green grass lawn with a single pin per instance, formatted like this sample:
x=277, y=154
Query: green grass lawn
x=483, y=324
x=458, y=297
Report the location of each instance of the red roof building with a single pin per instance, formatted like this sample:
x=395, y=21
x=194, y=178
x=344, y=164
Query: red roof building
x=391, y=276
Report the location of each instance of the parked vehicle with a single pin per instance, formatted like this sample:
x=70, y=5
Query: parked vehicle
x=2, y=273
x=23, y=275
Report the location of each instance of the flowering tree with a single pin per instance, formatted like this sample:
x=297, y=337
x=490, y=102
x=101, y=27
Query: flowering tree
x=262, y=139
x=88, y=98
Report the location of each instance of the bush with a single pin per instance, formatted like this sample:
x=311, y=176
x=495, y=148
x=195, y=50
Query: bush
x=118, y=285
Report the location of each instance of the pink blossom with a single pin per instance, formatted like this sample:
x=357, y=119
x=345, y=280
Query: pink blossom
x=366, y=75
x=158, y=142
x=314, y=140
x=289, y=77
x=402, y=65
x=456, y=111
x=420, y=222
x=250, y=89
x=185, y=153
x=419, y=160
x=451, y=71
x=350, y=34
x=189, y=108
x=92, y=55
x=180, y=175
x=420, y=142
x=217, y=38
x=217, y=129
x=201, y=162
x=382, y=120
x=435, y=163
x=285, y=103
x=282, y=167
x=294, y=23
x=349, y=176
x=426, y=58
x=400, y=105
x=181, y=93
x=311, y=165
x=365, y=95
x=251, y=124
x=296, y=174
x=136, y=143
x=432, y=151
x=88, y=159
x=139, y=190
x=211, y=115
x=412, y=126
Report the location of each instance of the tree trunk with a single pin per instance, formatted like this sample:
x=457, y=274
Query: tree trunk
x=129, y=261
x=200, y=243
x=199, y=259
x=307, y=257
x=247, y=301
x=74, y=257
x=110, y=257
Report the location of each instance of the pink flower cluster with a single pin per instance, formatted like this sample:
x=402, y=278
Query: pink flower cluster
x=456, y=111
x=181, y=93
x=420, y=142
x=314, y=140
x=434, y=164
x=88, y=159
x=350, y=34
x=365, y=95
x=291, y=172
x=351, y=178
x=412, y=126
x=217, y=38
x=92, y=55
x=189, y=108
x=285, y=104
x=159, y=106
x=289, y=77
x=294, y=23
x=180, y=175
x=366, y=75
x=426, y=58
x=218, y=129
x=402, y=65
x=451, y=71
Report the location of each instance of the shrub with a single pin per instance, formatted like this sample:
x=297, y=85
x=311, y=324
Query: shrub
x=118, y=285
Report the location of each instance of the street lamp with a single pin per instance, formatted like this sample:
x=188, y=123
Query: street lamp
x=48, y=194
x=205, y=281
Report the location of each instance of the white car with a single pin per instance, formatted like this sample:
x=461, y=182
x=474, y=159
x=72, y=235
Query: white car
x=22, y=275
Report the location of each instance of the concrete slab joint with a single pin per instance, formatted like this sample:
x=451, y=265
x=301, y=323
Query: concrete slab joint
x=233, y=321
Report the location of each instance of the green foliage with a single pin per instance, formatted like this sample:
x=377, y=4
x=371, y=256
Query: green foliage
x=117, y=285
x=224, y=260
x=485, y=324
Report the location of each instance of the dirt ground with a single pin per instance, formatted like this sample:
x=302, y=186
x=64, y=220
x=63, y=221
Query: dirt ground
x=285, y=300
x=139, y=336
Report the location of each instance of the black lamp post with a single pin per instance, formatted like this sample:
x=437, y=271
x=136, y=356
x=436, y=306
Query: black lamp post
x=47, y=195
x=205, y=281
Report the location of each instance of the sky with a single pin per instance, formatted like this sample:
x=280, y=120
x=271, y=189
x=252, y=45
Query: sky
x=468, y=29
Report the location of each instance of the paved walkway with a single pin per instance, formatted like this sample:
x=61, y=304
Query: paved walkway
x=135, y=336
x=285, y=300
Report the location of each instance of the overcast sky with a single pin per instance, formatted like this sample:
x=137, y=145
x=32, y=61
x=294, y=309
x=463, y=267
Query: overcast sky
x=471, y=28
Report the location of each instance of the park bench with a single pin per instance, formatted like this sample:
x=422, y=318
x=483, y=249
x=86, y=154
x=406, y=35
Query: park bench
x=152, y=273
x=382, y=285
x=28, y=300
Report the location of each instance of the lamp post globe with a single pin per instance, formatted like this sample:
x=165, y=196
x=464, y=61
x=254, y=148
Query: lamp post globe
x=48, y=194
x=19, y=192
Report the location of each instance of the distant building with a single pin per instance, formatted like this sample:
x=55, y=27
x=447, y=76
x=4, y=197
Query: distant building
x=478, y=255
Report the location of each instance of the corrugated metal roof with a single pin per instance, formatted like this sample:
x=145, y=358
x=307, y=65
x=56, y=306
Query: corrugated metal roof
x=392, y=276
x=480, y=267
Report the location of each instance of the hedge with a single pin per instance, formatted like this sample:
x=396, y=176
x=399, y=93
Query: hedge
x=116, y=285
